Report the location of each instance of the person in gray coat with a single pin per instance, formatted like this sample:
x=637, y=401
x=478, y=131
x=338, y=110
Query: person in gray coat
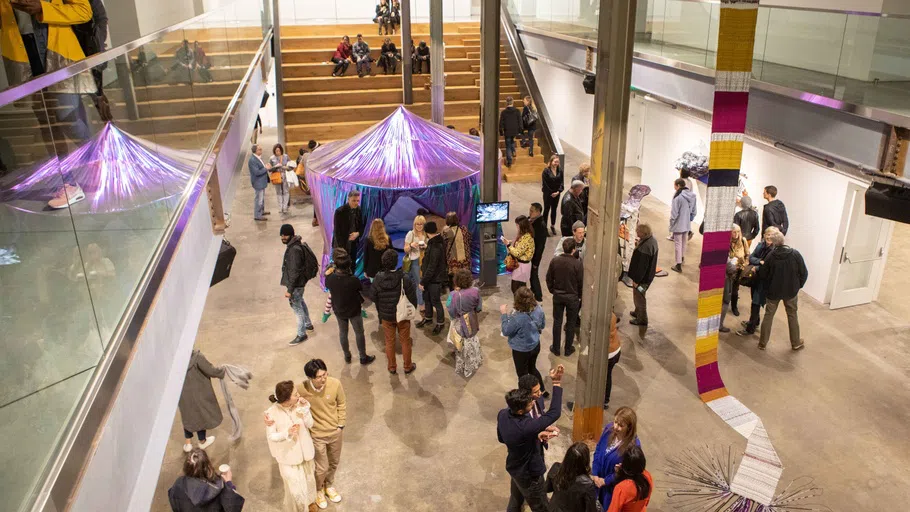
x=682, y=213
x=259, y=178
x=199, y=409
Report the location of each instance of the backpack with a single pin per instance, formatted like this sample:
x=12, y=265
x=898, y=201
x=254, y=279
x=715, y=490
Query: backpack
x=530, y=118
x=310, y=263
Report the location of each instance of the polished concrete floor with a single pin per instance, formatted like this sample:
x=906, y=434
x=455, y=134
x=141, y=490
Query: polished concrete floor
x=837, y=412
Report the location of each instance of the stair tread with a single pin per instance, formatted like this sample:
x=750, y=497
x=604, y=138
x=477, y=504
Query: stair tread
x=378, y=105
x=365, y=123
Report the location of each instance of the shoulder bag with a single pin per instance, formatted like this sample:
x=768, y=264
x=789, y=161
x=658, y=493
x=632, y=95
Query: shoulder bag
x=405, y=311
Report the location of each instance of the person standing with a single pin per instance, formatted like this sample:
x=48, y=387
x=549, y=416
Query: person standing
x=328, y=406
x=785, y=273
x=522, y=250
x=747, y=220
x=524, y=437
x=390, y=286
x=522, y=327
x=349, y=226
x=199, y=409
x=415, y=243
x=342, y=57
x=377, y=243
x=633, y=483
x=529, y=121
x=615, y=441
x=552, y=186
x=739, y=250
x=463, y=304
x=572, y=210
x=612, y=358
x=346, y=293
x=759, y=285
x=774, y=213
x=642, y=268
x=570, y=482
x=295, y=270
x=433, y=278
x=578, y=235
x=565, y=279
x=259, y=178
x=510, y=127
x=539, y=226
x=584, y=176
x=361, y=57
x=280, y=163
x=200, y=489
x=458, y=245
x=682, y=213
x=292, y=447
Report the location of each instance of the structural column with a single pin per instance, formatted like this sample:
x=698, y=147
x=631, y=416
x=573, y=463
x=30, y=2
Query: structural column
x=489, y=121
x=616, y=29
x=406, y=57
x=279, y=75
x=437, y=58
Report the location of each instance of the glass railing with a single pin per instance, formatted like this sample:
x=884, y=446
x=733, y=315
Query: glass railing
x=88, y=188
x=356, y=12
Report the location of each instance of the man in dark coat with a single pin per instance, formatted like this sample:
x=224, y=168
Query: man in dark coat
x=345, y=291
x=510, y=126
x=572, y=209
x=775, y=212
x=642, y=268
x=191, y=493
x=539, y=223
x=564, y=280
x=435, y=274
x=785, y=273
x=294, y=273
x=199, y=409
x=349, y=226
x=385, y=293
x=747, y=219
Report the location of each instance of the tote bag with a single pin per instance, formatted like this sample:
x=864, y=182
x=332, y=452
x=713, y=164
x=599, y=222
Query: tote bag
x=405, y=311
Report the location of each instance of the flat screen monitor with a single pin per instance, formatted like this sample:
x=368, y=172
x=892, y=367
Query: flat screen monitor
x=492, y=212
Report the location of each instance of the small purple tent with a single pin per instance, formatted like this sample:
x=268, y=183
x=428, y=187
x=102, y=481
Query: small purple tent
x=399, y=164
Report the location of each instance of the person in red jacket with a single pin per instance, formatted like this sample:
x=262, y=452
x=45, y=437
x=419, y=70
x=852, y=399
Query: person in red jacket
x=342, y=56
x=633, y=483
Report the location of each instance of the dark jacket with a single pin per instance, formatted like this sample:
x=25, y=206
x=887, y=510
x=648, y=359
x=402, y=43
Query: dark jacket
x=196, y=495
x=747, y=220
x=525, y=116
x=540, y=239
x=565, y=277
x=345, y=291
x=572, y=212
x=643, y=265
x=775, y=214
x=581, y=496
x=510, y=124
x=386, y=292
x=550, y=183
x=199, y=409
x=784, y=272
x=347, y=220
x=519, y=434
x=372, y=259
x=389, y=48
x=422, y=51
x=293, y=265
x=434, y=268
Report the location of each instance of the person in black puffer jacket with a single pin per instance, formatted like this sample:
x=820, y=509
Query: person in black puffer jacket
x=386, y=292
x=434, y=275
x=571, y=484
x=200, y=489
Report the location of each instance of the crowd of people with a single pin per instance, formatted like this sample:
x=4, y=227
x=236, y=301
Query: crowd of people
x=361, y=56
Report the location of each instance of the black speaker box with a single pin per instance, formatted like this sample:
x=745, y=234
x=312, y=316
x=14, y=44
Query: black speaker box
x=887, y=202
x=225, y=262
x=589, y=83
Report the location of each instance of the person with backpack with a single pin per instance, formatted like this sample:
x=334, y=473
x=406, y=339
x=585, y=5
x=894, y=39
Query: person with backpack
x=529, y=120
x=299, y=266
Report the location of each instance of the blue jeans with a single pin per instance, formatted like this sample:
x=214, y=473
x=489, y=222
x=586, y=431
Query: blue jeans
x=528, y=139
x=414, y=274
x=301, y=311
x=510, y=149
x=259, y=204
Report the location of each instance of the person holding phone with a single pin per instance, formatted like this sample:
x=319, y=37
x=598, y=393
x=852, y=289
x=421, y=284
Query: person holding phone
x=642, y=268
x=415, y=243
x=291, y=445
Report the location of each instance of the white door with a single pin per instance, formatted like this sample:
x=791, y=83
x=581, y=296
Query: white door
x=862, y=254
x=635, y=133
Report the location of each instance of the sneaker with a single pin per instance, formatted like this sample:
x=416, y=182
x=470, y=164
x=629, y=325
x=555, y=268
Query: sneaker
x=554, y=351
x=260, y=218
x=208, y=442
x=320, y=500
x=553, y=229
x=66, y=196
x=677, y=268
x=393, y=372
x=310, y=327
x=735, y=311
x=298, y=340
x=723, y=329
x=761, y=347
x=332, y=494
x=367, y=360
x=801, y=346
x=347, y=358
x=188, y=447
x=633, y=314
x=744, y=332
x=606, y=405
x=437, y=329
x=670, y=236
x=411, y=369
x=570, y=351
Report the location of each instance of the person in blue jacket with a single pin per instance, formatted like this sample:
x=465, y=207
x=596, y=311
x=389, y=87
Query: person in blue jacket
x=523, y=327
x=259, y=178
x=615, y=440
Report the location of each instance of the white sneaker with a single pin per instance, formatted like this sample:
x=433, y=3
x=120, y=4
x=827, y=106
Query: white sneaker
x=333, y=495
x=208, y=442
x=66, y=196
x=320, y=499
x=187, y=447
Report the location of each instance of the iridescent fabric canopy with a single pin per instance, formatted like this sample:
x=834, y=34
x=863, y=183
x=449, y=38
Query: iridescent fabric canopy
x=403, y=155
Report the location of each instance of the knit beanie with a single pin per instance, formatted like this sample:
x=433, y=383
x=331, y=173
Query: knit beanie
x=287, y=230
x=578, y=224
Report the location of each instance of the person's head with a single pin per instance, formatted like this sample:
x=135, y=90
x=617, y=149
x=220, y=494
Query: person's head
x=463, y=279
x=770, y=193
x=535, y=210
x=524, y=300
x=625, y=428
x=510, y=101
x=317, y=372
x=736, y=233
x=419, y=223
x=93, y=253
x=519, y=401
x=198, y=465
x=431, y=229
x=553, y=162
x=577, y=187
x=311, y=145
x=474, y=132
x=286, y=232
x=769, y=232
x=577, y=462
x=423, y=44
x=342, y=259
x=584, y=169
x=531, y=384
x=354, y=198
x=378, y=235
x=528, y=102
x=524, y=226
x=387, y=41
x=578, y=232
x=633, y=468
x=777, y=239
x=359, y=38
x=643, y=230
x=679, y=184
x=285, y=393
x=389, y=260
x=256, y=149
x=301, y=152
x=452, y=219
x=346, y=40
x=568, y=246
x=277, y=150
x=746, y=202
x=684, y=174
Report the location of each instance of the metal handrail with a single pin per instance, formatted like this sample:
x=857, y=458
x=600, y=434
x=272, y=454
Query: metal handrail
x=61, y=476
x=813, y=9
x=520, y=60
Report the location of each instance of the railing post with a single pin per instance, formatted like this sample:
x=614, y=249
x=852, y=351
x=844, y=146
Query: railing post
x=406, y=57
x=489, y=120
x=437, y=61
x=279, y=75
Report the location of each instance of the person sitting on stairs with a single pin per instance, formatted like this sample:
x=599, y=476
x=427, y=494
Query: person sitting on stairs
x=342, y=57
x=362, y=57
x=422, y=55
x=389, y=57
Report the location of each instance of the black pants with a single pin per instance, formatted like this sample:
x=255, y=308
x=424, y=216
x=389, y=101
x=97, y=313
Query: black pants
x=418, y=64
x=569, y=307
x=526, y=362
x=516, y=285
x=189, y=435
x=610, y=364
x=550, y=206
x=432, y=299
x=535, y=282
x=341, y=66
x=533, y=490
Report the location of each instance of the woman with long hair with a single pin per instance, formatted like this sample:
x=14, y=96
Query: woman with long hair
x=463, y=304
x=634, y=485
x=415, y=244
x=522, y=251
x=571, y=484
x=377, y=242
x=529, y=120
x=200, y=489
x=458, y=245
x=522, y=327
x=614, y=443
x=279, y=163
x=291, y=445
x=383, y=16
x=739, y=249
x=552, y=183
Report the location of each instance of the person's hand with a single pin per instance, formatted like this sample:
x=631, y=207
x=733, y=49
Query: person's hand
x=553, y=428
x=32, y=7
x=761, y=262
x=420, y=286
x=302, y=402
x=554, y=194
x=503, y=308
x=598, y=481
x=556, y=374
x=268, y=420
x=227, y=476
x=616, y=467
x=294, y=430
x=545, y=436
x=353, y=236
x=287, y=295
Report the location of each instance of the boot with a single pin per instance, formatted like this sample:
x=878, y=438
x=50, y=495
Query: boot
x=733, y=308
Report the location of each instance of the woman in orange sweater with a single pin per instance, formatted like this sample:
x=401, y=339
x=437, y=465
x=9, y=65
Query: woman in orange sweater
x=633, y=483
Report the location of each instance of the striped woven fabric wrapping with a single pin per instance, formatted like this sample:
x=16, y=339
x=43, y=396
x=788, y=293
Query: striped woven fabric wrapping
x=760, y=470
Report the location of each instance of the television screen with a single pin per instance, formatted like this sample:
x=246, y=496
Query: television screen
x=492, y=212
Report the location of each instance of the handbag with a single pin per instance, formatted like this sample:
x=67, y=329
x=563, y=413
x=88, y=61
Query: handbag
x=291, y=177
x=511, y=263
x=405, y=311
x=749, y=276
x=406, y=266
x=275, y=177
x=455, y=338
x=467, y=322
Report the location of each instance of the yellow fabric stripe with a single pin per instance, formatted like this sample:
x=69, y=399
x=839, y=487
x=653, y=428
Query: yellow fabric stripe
x=726, y=154
x=710, y=303
x=706, y=344
x=703, y=358
x=737, y=30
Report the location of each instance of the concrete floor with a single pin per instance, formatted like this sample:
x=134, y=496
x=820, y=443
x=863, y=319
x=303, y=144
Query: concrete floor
x=836, y=412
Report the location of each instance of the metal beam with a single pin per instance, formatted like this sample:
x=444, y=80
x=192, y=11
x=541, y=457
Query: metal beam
x=489, y=121
x=407, y=70
x=616, y=30
x=279, y=78
x=437, y=57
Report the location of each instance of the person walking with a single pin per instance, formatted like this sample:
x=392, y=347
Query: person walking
x=578, y=235
x=521, y=251
x=298, y=267
x=342, y=57
x=552, y=186
x=642, y=268
x=433, y=278
x=539, y=226
x=571, y=484
x=415, y=243
x=633, y=483
x=682, y=213
x=360, y=53
x=747, y=220
x=759, y=286
x=199, y=409
x=349, y=226
x=510, y=127
x=458, y=245
x=292, y=447
x=378, y=242
x=279, y=163
x=774, y=214
x=200, y=489
x=522, y=327
x=571, y=209
x=785, y=273
x=259, y=179
x=346, y=293
x=463, y=304
x=390, y=286
x=524, y=437
x=565, y=279
x=615, y=441
x=529, y=122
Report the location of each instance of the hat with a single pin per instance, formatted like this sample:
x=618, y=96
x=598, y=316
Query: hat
x=746, y=202
x=431, y=228
x=578, y=183
x=578, y=224
x=287, y=230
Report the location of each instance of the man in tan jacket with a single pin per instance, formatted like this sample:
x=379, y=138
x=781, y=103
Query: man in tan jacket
x=326, y=397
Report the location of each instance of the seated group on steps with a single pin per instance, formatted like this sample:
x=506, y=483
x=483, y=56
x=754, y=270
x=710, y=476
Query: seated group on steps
x=359, y=54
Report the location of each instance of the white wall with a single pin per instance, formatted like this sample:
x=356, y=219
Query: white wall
x=571, y=110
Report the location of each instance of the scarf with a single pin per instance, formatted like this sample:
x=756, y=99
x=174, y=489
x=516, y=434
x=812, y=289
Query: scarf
x=241, y=377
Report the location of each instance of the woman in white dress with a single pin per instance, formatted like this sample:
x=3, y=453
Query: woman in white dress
x=291, y=445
